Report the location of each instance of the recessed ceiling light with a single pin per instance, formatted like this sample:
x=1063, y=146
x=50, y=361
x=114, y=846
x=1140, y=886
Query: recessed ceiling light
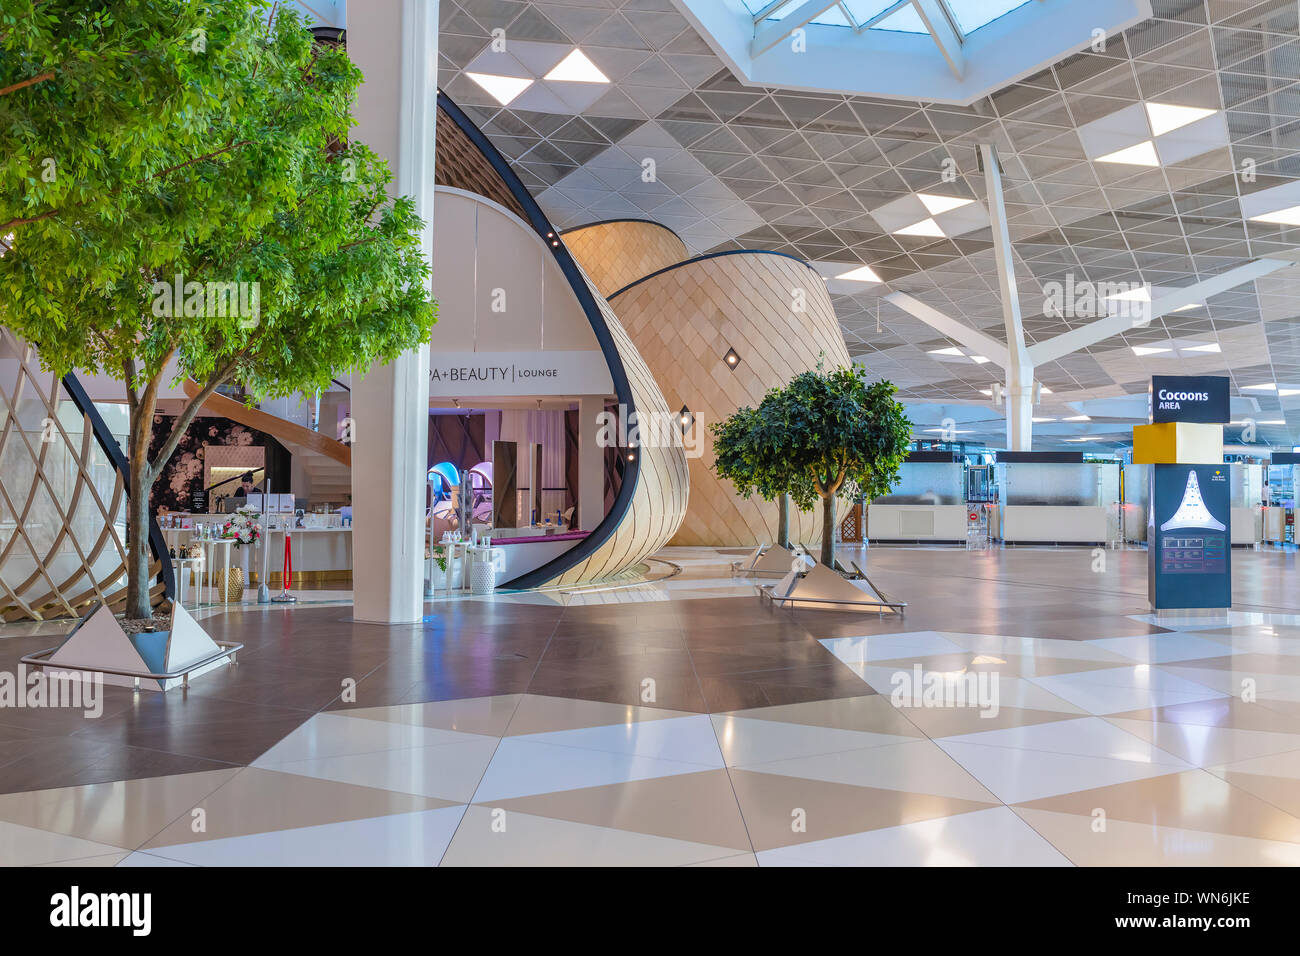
x=1189, y=306
x=1038, y=421
x=1283, y=217
x=987, y=391
x=576, y=68
x=948, y=351
x=1165, y=118
x=1143, y=154
x=1044, y=390
x=1140, y=294
x=502, y=88
x=860, y=274
x=1284, y=392
x=1149, y=350
x=1077, y=418
x=979, y=359
x=926, y=227
x=1266, y=387
x=938, y=204
x=1274, y=421
x=1084, y=438
x=1212, y=347
x=956, y=431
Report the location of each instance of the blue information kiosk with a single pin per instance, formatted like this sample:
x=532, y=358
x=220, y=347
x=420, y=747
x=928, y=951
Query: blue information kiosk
x=1189, y=557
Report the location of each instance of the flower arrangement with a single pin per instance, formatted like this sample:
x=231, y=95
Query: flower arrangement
x=243, y=527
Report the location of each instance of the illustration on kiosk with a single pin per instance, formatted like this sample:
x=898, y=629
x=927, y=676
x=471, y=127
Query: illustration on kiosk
x=1192, y=512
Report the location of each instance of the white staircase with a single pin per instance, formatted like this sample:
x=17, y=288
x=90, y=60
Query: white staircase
x=328, y=481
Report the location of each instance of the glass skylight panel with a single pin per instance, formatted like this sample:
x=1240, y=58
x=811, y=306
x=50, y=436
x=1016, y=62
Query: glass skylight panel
x=970, y=15
x=834, y=17
x=905, y=20
x=864, y=10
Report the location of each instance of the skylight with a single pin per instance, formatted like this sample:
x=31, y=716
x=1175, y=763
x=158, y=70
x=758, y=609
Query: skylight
x=898, y=15
x=970, y=15
x=945, y=51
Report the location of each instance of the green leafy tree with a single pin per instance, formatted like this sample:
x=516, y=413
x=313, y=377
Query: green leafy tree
x=207, y=217
x=826, y=434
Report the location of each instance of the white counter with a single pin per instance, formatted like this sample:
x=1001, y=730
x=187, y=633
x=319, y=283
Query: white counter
x=917, y=523
x=1247, y=526
x=1058, y=523
x=319, y=554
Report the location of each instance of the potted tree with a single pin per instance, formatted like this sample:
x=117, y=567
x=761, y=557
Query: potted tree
x=822, y=436
x=201, y=214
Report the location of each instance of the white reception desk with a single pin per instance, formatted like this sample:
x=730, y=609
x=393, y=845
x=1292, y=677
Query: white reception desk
x=1043, y=524
x=917, y=523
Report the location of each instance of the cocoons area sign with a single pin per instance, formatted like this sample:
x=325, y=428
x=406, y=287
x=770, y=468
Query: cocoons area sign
x=1190, y=398
x=514, y=374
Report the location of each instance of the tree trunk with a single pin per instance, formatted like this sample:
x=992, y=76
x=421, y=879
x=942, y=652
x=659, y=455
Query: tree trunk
x=137, y=514
x=828, y=531
x=783, y=522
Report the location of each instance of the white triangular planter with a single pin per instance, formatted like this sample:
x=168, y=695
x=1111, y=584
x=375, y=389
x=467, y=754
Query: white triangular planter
x=99, y=644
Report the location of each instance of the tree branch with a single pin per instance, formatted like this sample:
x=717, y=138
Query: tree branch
x=132, y=397
x=218, y=377
x=21, y=221
x=165, y=172
x=22, y=85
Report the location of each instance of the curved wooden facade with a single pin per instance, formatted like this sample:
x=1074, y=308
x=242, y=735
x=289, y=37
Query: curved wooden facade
x=651, y=502
x=775, y=312
x=617, y=252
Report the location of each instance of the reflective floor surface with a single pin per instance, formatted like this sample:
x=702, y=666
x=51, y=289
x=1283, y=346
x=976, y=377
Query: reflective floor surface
x=1027, y=710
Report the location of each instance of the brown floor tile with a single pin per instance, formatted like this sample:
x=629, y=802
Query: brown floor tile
x=699, y=807
x=769, y=803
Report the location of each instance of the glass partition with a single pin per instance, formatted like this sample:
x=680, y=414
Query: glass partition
x=1247, y=485
x=928, y=483
x=1086, y=484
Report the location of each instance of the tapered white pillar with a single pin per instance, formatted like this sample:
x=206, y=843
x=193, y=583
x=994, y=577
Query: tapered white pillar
x=395, y=44
x=1020, y=416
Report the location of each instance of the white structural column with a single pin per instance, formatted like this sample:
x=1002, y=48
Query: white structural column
x=395, y=44
x=1020, y=370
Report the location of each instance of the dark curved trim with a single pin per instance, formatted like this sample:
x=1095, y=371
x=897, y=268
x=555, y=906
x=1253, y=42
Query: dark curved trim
x=157, y=543
x=713, y=255
x=610, y=222
x=622, y=389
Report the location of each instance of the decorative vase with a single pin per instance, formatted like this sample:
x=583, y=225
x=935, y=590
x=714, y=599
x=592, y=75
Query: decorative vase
x=230, y=584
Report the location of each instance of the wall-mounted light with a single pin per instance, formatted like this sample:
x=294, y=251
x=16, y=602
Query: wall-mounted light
x=731, y=358
x=687, y=418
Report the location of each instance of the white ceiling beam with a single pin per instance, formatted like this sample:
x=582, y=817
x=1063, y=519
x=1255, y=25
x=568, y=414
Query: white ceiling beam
x=1020, y=368
x=769, y=35
x=944, y=33
x=973, y=339
x=768, y=10
x=1102, y=329
x=884, y=14
x=1002, y=251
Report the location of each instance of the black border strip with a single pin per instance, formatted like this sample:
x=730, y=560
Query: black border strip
x=610, y=222
x=622, y=389
x=157, y=543
x=714, y=255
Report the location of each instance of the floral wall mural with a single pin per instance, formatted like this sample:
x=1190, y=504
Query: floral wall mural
x=180, y=487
